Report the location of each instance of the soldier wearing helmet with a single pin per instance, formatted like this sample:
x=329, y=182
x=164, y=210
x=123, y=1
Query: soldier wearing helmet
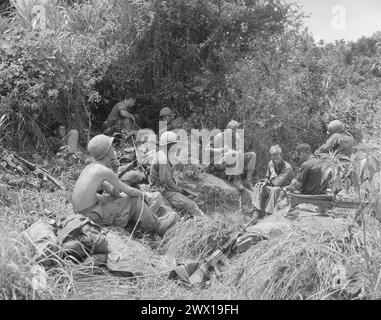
x=161, y=176
x=224, y=170
x=122, y=203
x=173, y=123
x=340, y=141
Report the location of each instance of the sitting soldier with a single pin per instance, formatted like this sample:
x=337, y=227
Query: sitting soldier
x=161, y=176
x=310, y=178
x=60, y=139
x=120, y=118
x=340, y=141
x=173, y=123
x=123, y=204
x=232, y=170
x=278, y=175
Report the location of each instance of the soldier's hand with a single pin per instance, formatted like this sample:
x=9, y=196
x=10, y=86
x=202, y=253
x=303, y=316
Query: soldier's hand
x=283, y=193
x=135, y=193
x=261, y=184
x=115, y=165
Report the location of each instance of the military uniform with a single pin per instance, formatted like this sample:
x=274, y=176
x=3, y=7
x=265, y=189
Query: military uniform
x=339, y=142
x=266, y=196
x=161, y=175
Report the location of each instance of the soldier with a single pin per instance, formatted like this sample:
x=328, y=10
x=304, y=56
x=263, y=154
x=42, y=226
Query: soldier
x=173, y=123
x=162, y=176
x=310, y=178
x=120, y=118
x=279, y=174
x=70, y=139
x=340, y=140
x=122, y=204
x=222, y=170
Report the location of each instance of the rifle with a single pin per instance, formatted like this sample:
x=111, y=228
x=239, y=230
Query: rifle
x=38, y=170
x=323, y=201
x=9, y=158
x=218, y=256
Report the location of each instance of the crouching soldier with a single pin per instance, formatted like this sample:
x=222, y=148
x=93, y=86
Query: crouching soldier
x=161, y=176
x=123, y=204
x=340, y=141
x=279, y=174
x=120, y=118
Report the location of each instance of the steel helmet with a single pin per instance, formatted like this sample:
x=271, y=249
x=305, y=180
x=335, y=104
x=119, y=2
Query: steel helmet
x=168, y=137
x=99, y=146
x=335, y=126
x=166, y=112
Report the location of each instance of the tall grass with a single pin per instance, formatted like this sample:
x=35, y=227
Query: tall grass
x=309, y=263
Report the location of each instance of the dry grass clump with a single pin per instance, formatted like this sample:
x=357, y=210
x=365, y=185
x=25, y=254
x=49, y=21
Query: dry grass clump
x=309, y=264
x=195, y=238
x=16, y=262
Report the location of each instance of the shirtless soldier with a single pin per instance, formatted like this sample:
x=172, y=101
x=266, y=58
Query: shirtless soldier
x=123, y=204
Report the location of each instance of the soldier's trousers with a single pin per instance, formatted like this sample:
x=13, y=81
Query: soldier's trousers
x=265, y=198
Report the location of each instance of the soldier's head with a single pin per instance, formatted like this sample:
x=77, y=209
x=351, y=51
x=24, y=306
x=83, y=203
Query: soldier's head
x=59, y=130
x=276, y=154
x=166, y=114
x=336, y=126
x=101, y=149
x=303, y=152
x=129, y=102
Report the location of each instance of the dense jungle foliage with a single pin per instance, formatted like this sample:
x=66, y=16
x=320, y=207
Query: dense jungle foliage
x=210, y=60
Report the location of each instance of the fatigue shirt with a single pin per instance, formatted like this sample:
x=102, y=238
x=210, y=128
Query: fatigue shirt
x=340, y=142
x=162, y=173
x=280, y=175
x=114, y=115
x=310, y=176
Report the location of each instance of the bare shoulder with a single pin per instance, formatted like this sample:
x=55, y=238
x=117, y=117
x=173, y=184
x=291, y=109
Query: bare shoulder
x=97, y=169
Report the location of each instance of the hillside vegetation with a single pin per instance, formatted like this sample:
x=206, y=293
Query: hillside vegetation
x=211, y=61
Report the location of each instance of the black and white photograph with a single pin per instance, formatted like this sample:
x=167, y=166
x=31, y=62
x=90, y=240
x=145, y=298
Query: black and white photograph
x=190, y=156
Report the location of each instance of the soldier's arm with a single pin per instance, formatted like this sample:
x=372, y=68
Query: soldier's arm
x=329, y=145
x=282, y=177
x=295, y=185
x=124, y=113
x=166, y=179
x=110, y=189
x=117, y=184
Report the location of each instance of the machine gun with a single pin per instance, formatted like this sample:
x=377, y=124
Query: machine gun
x=323, y=201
